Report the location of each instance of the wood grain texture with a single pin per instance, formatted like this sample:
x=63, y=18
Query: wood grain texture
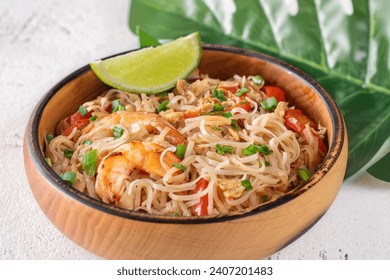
x=248, y=237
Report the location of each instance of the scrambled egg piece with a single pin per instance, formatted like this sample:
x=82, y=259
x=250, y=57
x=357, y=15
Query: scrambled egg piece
x=231, y=188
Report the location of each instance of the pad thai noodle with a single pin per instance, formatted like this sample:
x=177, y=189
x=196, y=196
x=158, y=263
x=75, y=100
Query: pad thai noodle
x=206, y=147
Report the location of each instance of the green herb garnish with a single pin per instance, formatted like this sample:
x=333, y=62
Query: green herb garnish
x=49, y=137
x=264, y=198
x=227, y=114
x=163, y=106
x=253, y=149
x=304, y=174
x=235, y=125
x=257, y=80
x=269, y=104
x=68, y=153
x=247, y=185
x=162, y=94
x=48, y=160
x=242, y=91
x=89, y=162
x=82, y=110
x=267, y=163
x=117, y=106
x=69, y=177
x=218, y=93
x=218, y=108
x=117, y=131
x=180, y=150
x=223, y=149
x=93, y=118
x=87, y=142
x=180, y=166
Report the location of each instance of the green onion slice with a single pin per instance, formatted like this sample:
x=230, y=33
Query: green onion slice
x=117, y=106
x=253, y=149
x=257, y=80
x=264, y=198
x=68, y=153
x=247, y=185
x=223, y=149
x=218, y=108
x=218, y=93
x=180, y=150
x=83, y=111
x=49, y=137
x=163, y=106
x=89, y=162
x=226, y=114
x=87, y=142
x=235, y=125
x=241, y=91
x=48, y=160
x=69, y=177
x=93, y=118
x=269, y=104
x=216, y=128
x=180, y=166
x=304, y=174
x=117, y=131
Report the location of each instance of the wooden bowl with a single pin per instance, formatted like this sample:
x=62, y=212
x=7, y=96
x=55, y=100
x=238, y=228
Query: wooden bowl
x=116, y=233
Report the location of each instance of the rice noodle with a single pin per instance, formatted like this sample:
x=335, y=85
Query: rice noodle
x=270, y=175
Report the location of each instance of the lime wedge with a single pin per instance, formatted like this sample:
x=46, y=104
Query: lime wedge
x=151, y=70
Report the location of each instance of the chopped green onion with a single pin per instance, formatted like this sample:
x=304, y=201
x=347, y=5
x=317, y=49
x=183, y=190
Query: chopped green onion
x=180, y=150
x=304, y=174
x=117, y=131
x=269, y=104
x=264, y=149
x=180, y=166
x=218, y=108
x=69, y=177
x=247, y=185
x=48, y=160
x=241, y=91
x=83, y=111
x=89, y=162
x=219, y=94
x=235, y=125
x=216, y=128
x=117, y=106
x=252, y=149
x=257, y=80
x=267, y=163
x=162, y=94
x=49, y=137
x=68, y=153
x=224, y=149
x=93, y=118
x=264, y=198
x=227, y=114
x=87, y=142
x=163, y=106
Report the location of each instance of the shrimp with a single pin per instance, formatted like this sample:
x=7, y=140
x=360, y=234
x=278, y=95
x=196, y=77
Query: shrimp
x=133, y=122
x=116, y=167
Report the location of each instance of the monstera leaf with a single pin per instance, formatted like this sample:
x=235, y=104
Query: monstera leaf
x=345, y=45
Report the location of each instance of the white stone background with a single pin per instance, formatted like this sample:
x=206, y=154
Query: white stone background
x=41, y=42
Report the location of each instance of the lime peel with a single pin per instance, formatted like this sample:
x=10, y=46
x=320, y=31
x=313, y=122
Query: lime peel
x=151, y=70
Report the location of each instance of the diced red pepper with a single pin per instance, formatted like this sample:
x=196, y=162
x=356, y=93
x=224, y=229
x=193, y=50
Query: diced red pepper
x=80, y=124
x=200, y=208
x=244, y=105
x=296, y=120
x=275, y=91
x=77, y=116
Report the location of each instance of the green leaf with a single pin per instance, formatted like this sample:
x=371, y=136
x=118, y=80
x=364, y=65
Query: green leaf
x=345, y=45
x=381, y=168
x=146, y=40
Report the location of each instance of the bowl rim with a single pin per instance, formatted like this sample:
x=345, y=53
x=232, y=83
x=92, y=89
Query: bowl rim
x=48, y=173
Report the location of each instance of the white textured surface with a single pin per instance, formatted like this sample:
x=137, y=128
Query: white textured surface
x=41, y=42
